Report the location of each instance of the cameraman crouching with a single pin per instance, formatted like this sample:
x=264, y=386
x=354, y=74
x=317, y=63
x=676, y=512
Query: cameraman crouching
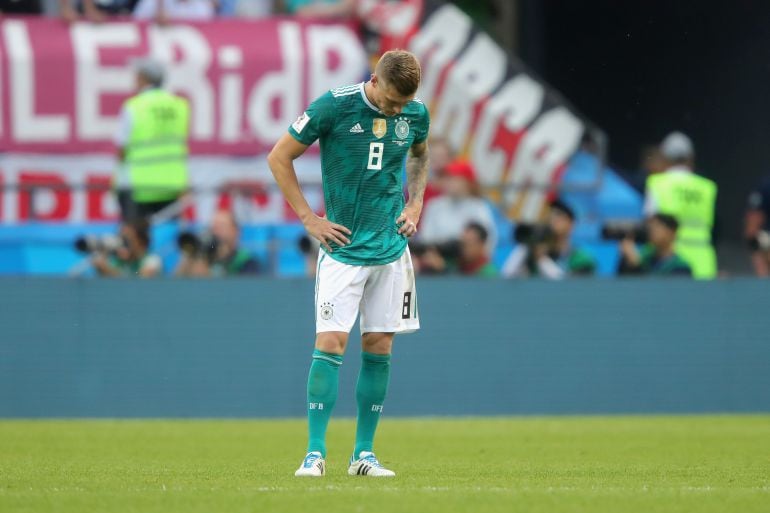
x=657, y=257
x=217, y=254
x=131, y=257
x=546, y=250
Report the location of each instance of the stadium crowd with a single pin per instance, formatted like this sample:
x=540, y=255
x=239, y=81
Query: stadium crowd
x=167, y=10
x=459, y=232
x=457, y=236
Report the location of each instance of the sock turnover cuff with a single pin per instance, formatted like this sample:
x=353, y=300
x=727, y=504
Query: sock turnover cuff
x=334, y=359
x=375, y=358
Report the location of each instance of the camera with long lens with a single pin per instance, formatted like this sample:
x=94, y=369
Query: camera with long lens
x=195, y=246
x=90, y=244
x=760, y=242
x=308, y=246
x=449, y=250
x=533, y=234
x=620, y=230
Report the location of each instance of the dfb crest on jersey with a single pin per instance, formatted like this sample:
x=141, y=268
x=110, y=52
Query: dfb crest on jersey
x=379, y=127
x=402, y=129
x=327, y=311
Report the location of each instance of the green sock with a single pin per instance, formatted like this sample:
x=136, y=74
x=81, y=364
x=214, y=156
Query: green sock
x=321, y=396
x=370, y=394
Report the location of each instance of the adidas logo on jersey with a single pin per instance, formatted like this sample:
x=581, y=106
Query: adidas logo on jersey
x=357, y=129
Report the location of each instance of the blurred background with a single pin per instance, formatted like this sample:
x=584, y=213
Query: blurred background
x=549, y=118
x=571, y=142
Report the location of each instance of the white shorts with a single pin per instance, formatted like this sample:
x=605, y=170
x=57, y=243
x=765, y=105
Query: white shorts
x=384, y=294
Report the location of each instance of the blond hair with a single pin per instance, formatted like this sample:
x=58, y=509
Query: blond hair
x=400, y=69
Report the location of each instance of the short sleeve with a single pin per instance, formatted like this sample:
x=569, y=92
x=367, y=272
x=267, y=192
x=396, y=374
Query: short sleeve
x=424, y=126
x=315, y=122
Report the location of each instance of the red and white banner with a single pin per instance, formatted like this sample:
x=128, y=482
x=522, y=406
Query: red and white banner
x=77, y=188
x=61, y=86
x=518, y=132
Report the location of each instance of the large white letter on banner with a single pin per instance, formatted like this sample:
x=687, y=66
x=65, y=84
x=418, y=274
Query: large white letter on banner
x=322, y=42
x=189, y=74
x=231, y=100
x=92, y=79
x=284, y=85
x=548, y=143
x=477, y=73
x=28, y=126
x=439, y=40
x=515, y=105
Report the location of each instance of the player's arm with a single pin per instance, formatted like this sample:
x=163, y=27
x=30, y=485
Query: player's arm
x=103, y=266
x=281, y=162
x=416, y=179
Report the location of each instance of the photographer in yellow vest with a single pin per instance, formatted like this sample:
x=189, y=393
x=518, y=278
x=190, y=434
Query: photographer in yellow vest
x=151, y=146
x=690, y=199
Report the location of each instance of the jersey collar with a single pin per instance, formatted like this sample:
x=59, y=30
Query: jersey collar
x=366, y=100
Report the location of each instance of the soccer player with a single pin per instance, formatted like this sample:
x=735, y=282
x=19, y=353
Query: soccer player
x=366, y=132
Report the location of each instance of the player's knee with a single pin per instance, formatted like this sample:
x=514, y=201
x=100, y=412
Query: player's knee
x=377, y=343
x=333, y=342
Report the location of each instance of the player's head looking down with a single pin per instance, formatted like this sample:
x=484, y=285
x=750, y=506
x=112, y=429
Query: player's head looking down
x=395, y=81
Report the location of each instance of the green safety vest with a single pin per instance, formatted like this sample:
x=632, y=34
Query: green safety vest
x=156, y=151
x=690, y=199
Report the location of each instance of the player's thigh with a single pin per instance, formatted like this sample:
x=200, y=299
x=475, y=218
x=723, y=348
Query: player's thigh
x=389, y=302
x=338, y=291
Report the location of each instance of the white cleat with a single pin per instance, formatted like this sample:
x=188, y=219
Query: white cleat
x=367, y=465
x=312, y=466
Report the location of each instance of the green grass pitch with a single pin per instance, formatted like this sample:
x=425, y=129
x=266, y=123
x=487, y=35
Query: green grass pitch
x=573, y=464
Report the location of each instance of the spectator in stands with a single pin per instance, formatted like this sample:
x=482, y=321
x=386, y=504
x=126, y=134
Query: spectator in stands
x=94, y=10
x=757, y=228
x=163, y=11
x=691, y=199
x=20, y=7
x=320, y=8
x=247, y=8
x=133, y=257
x=657, y=257
x=437, y=246
x=474, y=254
x=460, y=204
x=151, y=147
x=218, y=254
x=547, y=251
x=468, y=256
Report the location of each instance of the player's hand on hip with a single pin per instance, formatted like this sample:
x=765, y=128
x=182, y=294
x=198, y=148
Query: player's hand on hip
x=407, y=221
x=327, y=232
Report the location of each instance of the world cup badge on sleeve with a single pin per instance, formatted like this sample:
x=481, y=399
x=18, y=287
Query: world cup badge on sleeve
x=379, y=127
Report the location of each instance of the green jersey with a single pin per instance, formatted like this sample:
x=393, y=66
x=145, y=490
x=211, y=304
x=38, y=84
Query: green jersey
x=674, y=265
x=362, y=157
